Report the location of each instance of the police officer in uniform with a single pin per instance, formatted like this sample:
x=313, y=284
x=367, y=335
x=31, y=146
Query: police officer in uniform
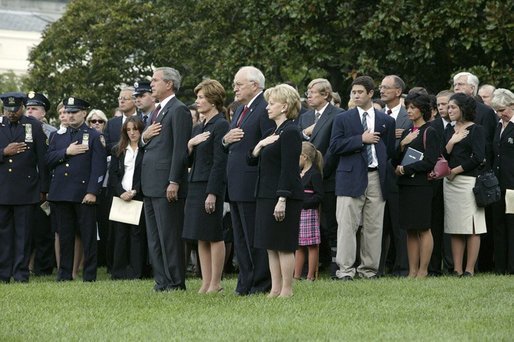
x=23, y=184
x=43, y=255
x=77, y=160
x=144, y=101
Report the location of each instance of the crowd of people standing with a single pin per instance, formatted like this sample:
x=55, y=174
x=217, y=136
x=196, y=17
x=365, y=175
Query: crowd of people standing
x=308, y=184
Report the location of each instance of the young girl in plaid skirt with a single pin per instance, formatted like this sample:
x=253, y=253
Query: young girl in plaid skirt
x=311, y=164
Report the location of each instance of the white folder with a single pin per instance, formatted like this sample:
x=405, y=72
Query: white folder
x=126, y=211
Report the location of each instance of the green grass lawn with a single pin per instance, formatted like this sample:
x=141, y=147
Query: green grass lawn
x=445, y=308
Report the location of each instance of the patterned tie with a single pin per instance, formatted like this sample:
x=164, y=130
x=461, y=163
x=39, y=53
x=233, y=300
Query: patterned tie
x=389, y=112
x=242, y=116
x=368, y=146
x=145, y=118
x=317, y=115
x=155, y=113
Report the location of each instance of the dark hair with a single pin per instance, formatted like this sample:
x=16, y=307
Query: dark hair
x=420, y=90
x=119, y=149
x=467, y=105
x=365, y=81
x=231, y=109
x=421, y=102
x=213, y=92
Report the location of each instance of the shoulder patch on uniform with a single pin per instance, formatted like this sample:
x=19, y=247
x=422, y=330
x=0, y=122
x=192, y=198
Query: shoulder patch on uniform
x=102, y=140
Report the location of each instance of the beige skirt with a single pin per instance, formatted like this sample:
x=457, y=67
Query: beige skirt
x=461, y=214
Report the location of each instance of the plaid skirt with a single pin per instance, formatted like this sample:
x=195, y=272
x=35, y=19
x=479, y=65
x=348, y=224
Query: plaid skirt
x=309, y=228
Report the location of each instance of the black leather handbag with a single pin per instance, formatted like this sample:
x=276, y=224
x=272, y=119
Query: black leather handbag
x=487, y=189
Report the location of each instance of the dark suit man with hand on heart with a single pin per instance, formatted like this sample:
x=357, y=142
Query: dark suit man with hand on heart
x=164, y=180
x=363, y=140
x=249, y=123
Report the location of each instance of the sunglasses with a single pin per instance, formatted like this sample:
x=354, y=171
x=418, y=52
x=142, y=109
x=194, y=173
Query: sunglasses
x=94, y=121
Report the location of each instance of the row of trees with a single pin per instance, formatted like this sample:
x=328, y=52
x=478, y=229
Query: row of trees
x=99, y=44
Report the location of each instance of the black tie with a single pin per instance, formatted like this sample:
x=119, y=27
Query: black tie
x=145, y=118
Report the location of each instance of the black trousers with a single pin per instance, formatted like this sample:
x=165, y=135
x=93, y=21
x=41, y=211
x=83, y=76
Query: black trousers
x=43, y=245
x=437, y=228
x=105, y=244
x=328, y=231
x=70, y=219
x=15, y=239
x=254, y=275
x=397, y=238
x=130, y=250
x=164, y=222
x=503, y=238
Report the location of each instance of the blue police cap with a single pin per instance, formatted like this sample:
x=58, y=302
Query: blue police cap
x=142, y=87
x=74, y=104
x=13, y=100
x=37, y=99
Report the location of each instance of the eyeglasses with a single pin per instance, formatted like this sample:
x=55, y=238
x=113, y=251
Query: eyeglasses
x=239, y=85
x=94, y=121
x=121, y=98
x=310, y=92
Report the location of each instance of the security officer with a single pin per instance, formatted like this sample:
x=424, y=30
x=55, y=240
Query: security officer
x=77, y=160
x=23, y=183
x=144, y=101
x=43, y=255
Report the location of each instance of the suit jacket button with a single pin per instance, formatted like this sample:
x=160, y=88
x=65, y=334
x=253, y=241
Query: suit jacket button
x=67, y=165
x=66, y=173
x=10, y=170
x=83, y=182
x=10, y=160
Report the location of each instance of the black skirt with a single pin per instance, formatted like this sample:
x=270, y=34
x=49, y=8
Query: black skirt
x=415, y=207
x=198, y=225
x=274, y=235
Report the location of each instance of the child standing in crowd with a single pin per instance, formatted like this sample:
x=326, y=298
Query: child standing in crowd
x=311, y=164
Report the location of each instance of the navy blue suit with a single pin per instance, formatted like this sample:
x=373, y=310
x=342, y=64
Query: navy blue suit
x=254, y=273
x=72, y=178
x=346, y=142
x=23, y=177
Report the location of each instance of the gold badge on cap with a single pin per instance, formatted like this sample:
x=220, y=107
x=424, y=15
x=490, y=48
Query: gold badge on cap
x=71, y=101
x=12, y=101
x=136, y=84
x=85, y=139
x=28, y=133
x=31, y=94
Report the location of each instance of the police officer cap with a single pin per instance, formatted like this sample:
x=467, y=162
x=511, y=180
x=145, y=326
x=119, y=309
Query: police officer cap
x=37, y=99
x=13, y=101
x=74, y=104
x=142, y=87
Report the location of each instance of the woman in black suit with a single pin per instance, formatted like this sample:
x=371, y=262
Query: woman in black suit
x=207, y=184
x=279, y=190
x=503, y=166
x=129, y=241
x=415, y=191
x=465, y=151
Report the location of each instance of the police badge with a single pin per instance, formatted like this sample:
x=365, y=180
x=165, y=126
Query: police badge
x=85, y=139
x=28, y=133
x=510, y=140
x=31, y=94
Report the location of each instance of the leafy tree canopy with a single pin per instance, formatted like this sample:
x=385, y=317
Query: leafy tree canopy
x=98, y=45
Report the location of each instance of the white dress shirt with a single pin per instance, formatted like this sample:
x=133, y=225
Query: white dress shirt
x=370, y=121
x=130, y=166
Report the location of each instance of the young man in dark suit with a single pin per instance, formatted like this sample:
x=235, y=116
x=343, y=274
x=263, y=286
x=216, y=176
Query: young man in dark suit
x=363, y=139
x=248, y=125
x=316, y=127
x=164, y=180
x=23, y=184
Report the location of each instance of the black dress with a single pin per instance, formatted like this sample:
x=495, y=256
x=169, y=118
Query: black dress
x=415, y=190
x=279, y=176
x=208, y=164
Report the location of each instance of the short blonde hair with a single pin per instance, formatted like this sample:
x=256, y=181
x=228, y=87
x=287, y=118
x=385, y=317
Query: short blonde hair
x=323, y=86
x=502, y=98
x=288, y=95
x=98, y=113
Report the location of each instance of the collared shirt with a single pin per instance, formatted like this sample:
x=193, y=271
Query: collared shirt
x=394, y=111
x=130, y=166
x=505, y=125
x=370, y=122
x=322, y=110
x=164, y=102
x=251, y=101
x=445, y=122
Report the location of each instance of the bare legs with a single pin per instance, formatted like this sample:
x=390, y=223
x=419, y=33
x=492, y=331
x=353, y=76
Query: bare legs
x=212, y=257
x=281, y=265
x=313, y=253
x=419, y=249
x=459, y=243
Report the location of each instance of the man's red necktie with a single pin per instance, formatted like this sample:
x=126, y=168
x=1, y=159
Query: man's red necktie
x=242, y=116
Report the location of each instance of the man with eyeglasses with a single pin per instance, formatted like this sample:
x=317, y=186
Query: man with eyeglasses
x=391, y=89
x=249, y=123
x=113, y=129
x=23, y=184
x=77, y=161
x=144, y=101
x=316, y=127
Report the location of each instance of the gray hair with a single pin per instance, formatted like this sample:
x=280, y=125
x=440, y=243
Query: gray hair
x=489, y=87
x=170, y=74
x=98, y=113
x=398, y=82
x=126, y=88
x=502, y=98
x=470, y=79
x=254, y=75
